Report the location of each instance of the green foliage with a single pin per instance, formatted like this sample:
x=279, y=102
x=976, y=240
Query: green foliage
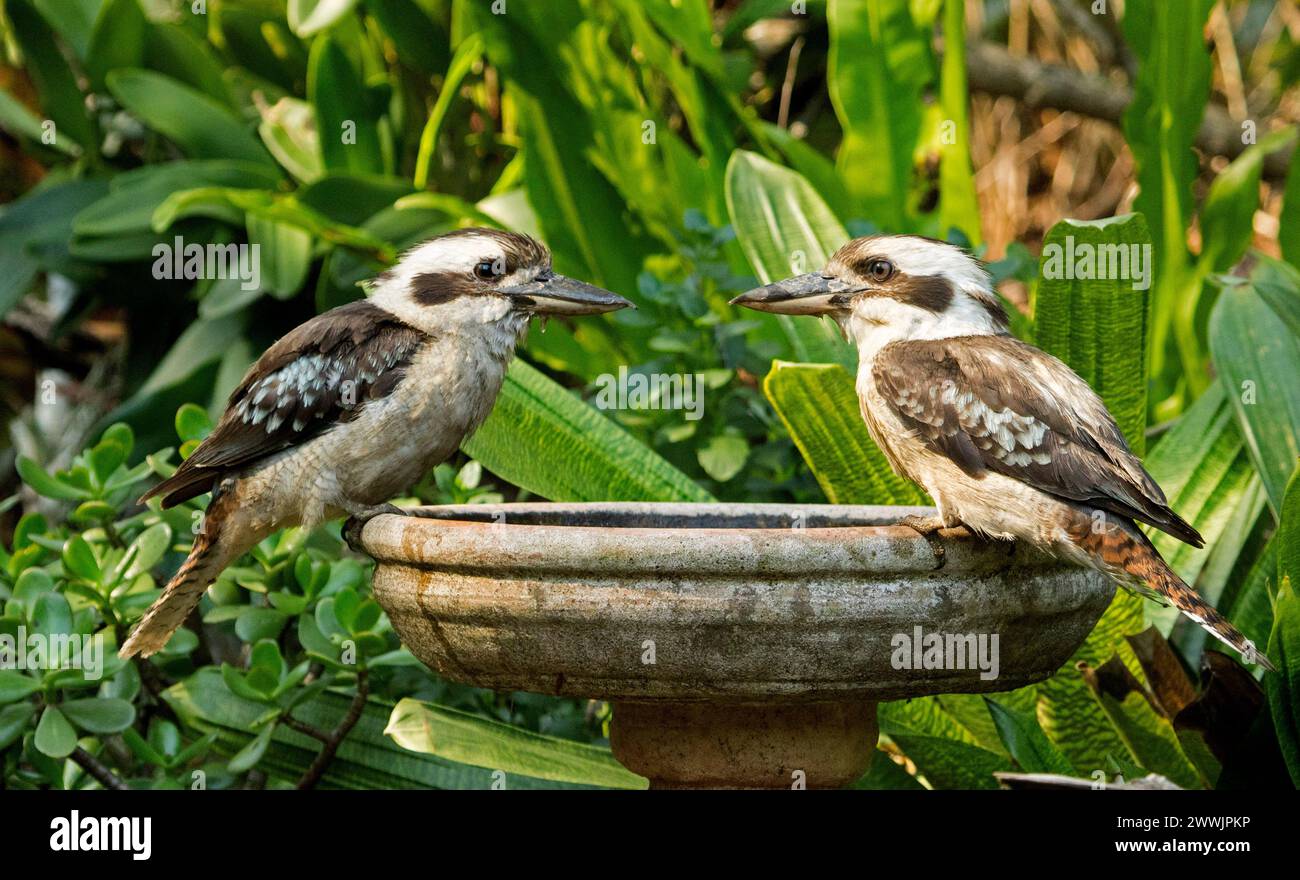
x=316, y=638
x=1284, y=641
x=819, y=407
x=1258, y=356
x=461, y=737
x=541, y=438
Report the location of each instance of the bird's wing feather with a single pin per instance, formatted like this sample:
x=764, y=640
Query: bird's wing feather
x=318, y=375
x=995, y=403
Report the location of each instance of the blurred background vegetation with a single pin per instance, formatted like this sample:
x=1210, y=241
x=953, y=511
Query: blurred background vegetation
x=676, y=151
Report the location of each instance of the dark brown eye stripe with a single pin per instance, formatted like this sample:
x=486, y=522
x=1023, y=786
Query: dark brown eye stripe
x=933, y=293
x=433, y=288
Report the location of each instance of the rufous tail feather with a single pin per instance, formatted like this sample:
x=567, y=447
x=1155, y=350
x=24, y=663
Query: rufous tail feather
x=214, y=549
x=1126, y=553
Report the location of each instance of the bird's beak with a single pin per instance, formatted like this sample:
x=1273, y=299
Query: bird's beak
x=811, y=294
x=550, y=294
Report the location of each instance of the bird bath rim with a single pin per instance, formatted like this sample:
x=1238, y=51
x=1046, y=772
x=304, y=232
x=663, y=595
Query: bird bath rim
x=742, y=645
x=505, y=596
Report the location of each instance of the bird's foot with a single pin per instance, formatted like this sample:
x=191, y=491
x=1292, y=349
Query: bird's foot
x=357, y=521
x=927, y=527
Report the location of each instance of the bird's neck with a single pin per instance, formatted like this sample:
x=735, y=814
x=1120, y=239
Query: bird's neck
x=879, y=321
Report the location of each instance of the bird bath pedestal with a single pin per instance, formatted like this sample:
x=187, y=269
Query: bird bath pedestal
x=741, y=645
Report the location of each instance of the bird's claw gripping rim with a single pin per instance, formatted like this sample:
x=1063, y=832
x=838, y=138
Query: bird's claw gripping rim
x=353, y=526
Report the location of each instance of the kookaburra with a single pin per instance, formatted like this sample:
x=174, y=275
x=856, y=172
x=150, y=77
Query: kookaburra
x=353, y=406
x=1005, y=438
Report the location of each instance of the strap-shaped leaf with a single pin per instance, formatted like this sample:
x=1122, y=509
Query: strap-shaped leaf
x=819, y=406
x=546, y=440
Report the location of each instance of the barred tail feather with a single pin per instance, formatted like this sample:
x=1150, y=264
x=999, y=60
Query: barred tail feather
x=1189, y=602
x=180, y=596
x=215, y=547
x=1125, y=553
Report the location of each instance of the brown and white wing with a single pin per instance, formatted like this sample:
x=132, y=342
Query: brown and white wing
x=319, y=375
x=993, y=403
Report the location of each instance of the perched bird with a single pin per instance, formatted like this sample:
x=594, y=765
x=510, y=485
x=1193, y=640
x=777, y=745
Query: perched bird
x=356, y=404
x=1005, y=438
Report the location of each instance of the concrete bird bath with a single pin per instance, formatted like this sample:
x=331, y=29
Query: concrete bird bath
x=741, y=645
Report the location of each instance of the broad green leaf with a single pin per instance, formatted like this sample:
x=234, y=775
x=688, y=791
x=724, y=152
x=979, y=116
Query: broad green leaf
x=1170, y=94
x=1148, y=736
x=367, y=759
x=192, y=422
x=16, y=119
x=1288, y=233
x=1205, y=471
x=1257, y=359
x=951, y=764
x=958, y=207
x=1228, y=215
x=74, y=20
x=544, y=439
x=286, y=255
x=148, y=548
x=174, y=50
x=877, y=72
x=1098, y=327
x=1097, y=324
x=16, y=686
x=288, y=129
x=786, y=229
x=355, y=199
x=470, y=739
x=79, y=559
x=235, y=204
x=135, y=195
x=99, y=714
x=925, y=716
x=51, y=615
x=250, y=755
x=54, y=735
x=61, y=100
x=1283, y=686
x=1026, y=742
x=819, y=407
x=816, y=168
x=346, y=121
x=201, y=127
x=44, y=484
x=13, y=722
x=723, y=456
x=118, y=40
x=885, y=774
x=1277, y=284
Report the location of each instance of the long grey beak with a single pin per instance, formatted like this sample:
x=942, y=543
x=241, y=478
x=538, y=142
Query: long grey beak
x=811, y=294
x=551, y=294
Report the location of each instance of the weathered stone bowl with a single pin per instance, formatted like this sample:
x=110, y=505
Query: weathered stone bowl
x=741, y=645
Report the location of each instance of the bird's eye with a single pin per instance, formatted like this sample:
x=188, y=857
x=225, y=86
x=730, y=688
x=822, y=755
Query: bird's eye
x=880, y=270
x=486, y=270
